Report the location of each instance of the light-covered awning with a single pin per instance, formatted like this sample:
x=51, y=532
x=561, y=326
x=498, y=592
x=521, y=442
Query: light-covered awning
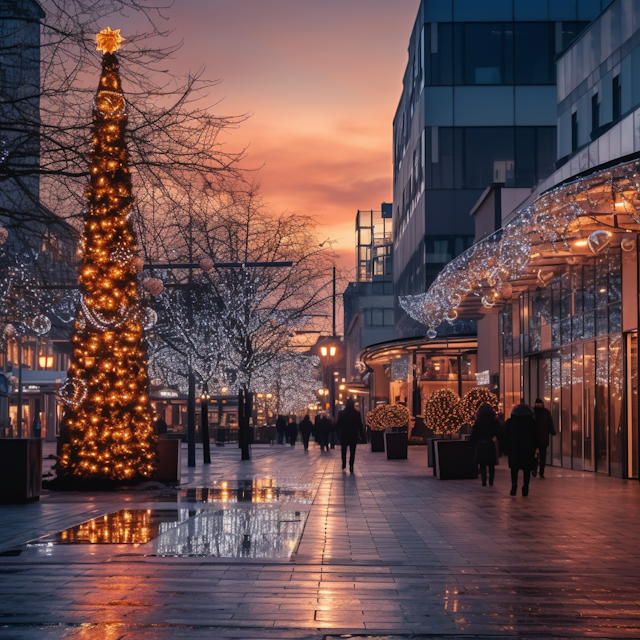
x=584, y=217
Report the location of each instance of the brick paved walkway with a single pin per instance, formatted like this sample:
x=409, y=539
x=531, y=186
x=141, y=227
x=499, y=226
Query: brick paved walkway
x=387, y=550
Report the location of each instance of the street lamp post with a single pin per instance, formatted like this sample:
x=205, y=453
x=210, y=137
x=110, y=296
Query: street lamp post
x=328, y=355
x=204, y=406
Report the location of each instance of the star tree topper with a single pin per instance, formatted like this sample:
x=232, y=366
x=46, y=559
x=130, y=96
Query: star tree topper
x=108, y=40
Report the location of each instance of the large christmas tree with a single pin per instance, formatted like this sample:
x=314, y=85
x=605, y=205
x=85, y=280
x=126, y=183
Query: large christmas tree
x=107, y=430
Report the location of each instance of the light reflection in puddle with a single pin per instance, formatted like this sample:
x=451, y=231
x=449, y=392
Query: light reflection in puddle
x=252, y=532
x=258, y=491
x=127, y=526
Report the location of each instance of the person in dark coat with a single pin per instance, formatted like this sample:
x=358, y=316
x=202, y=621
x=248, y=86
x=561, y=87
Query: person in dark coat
x=349, y=428
x=521, y=442
x=161, y=426
x=281, y=429
x=292, y=431
x=325, y=430
x=485, y=428
x=305, y=431
x=544, y=422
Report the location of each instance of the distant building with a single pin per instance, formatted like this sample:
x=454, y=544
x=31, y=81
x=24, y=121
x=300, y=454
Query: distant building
x=369, y=314
x=478, y=108
x=19, y=112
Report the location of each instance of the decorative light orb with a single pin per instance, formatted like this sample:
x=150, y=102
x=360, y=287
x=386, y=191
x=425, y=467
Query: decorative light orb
x=493, y=277
x=149, y=318
x=505, y=290
x=466, y=285
x=41, y=324
x=545, y=276
x=628, y=244
x=4, y=234
x=452, y=315
x=13, y=380
x=488, y=302
x=138, y=264
x=599, y=242
x=154, y=286
x=206, y=264
x=9, y=331
x=73, y=391
x=455, y=299
x=431, y=334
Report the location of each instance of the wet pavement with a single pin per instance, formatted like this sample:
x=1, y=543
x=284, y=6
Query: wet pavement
x=289, y=546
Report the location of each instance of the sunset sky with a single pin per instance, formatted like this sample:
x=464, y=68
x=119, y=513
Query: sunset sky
x=321, y=80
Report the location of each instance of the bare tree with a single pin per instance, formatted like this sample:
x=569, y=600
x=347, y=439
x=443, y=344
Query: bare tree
x=254, y=310
x=48, y=72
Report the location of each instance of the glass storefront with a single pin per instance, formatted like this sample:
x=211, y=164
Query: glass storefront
x=564, y=344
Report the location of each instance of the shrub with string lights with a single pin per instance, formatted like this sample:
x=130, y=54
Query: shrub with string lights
x=107, y=430
x=443, y=412
x=474, y=398
x=388, y=416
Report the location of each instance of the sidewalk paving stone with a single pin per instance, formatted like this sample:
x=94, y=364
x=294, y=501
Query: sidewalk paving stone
x=387, y=550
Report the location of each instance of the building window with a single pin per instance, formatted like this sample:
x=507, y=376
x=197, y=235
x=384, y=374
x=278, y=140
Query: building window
x=379, y=317
x=595, y=112
x=483, y=53
x=617, y=99
x=535, y=53
x=574, y=131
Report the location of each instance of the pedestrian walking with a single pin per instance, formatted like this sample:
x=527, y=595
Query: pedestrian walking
x=486, y=429
x=544, y=423
x=292, y=431
x=281, y=429
x=349, y=428
x=305, y=431
x=521, y=442
x=324, y=427
x=332, y=433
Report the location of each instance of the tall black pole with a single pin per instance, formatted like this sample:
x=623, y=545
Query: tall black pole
x=244, y=413
x=191, y=421
x=19, y=339
x=204, y=406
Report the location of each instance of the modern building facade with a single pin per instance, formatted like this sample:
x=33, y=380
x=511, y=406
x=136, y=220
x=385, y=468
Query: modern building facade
x=369, y=314
x=478, y=108
x=557, y=287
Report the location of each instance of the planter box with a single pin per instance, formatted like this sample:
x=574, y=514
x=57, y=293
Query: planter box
x=20, y=470
x=377, y=441
x=396, y=443
x=455, y=460
x=169, y=460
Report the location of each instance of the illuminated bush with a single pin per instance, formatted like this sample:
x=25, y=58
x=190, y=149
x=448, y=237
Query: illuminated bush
x=443, y=412
x=387, y=416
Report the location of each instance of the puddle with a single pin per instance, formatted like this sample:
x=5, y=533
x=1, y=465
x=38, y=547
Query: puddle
x=252, y=532
x=255, y=491
x=127, y=526
x=231, y=532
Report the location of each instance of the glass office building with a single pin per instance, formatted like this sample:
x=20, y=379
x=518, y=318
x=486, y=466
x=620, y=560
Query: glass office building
x=478, y=108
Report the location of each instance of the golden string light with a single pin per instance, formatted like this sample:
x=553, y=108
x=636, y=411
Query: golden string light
x=388, y=416
x=473, y=399
x=443, y=412
x=107, y=428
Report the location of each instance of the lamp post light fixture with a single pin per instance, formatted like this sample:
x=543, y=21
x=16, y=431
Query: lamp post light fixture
x=204, y=407
x=329, y=354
